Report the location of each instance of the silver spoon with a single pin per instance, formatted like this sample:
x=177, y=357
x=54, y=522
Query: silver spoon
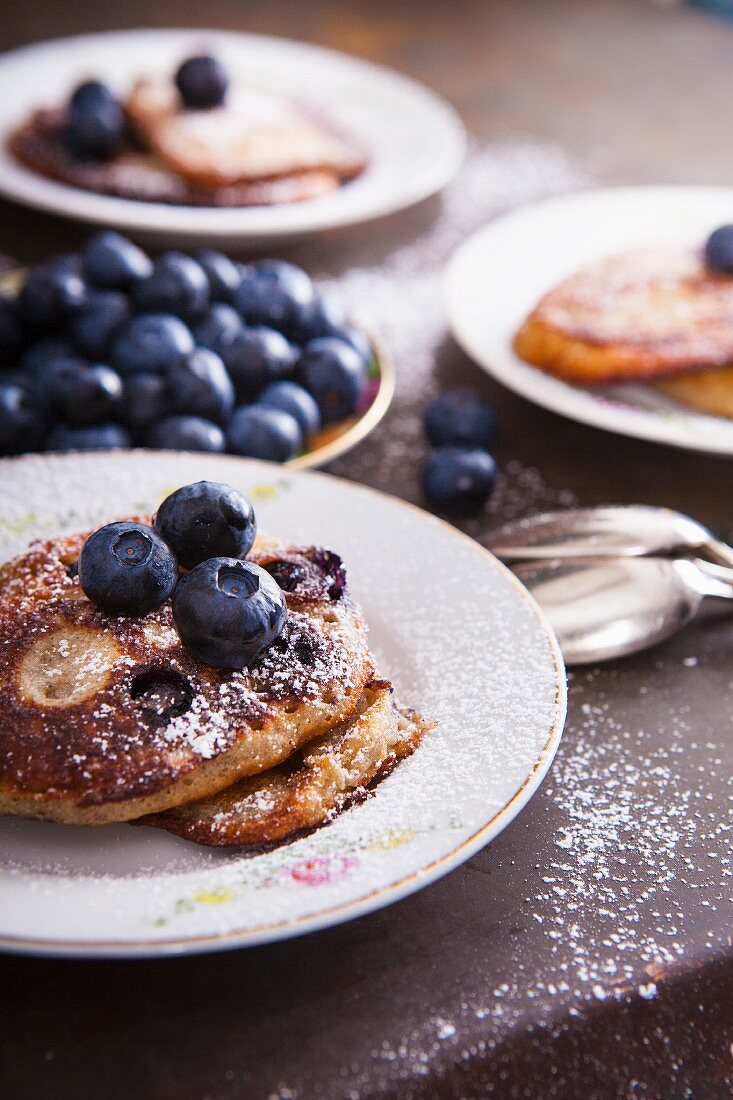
x=605, y=608
x=632, y=530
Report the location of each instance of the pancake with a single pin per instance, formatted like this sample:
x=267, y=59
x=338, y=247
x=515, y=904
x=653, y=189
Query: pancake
x=106, y=719
x=140, y=175
x=311, y=788
x=708, y=391
x=643, y=315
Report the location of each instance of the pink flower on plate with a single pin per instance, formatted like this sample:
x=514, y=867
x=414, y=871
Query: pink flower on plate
x=322, y=870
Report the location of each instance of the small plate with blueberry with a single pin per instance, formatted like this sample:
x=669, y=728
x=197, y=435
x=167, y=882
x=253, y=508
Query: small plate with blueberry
x=109, y=349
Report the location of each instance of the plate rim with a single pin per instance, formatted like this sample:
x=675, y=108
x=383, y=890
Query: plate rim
x=64, y=200
x=377, y=899
x=631, y=422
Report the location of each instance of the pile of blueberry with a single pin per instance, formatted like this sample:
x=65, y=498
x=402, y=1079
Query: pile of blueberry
x=227, y=611
x=460, y=473
x=107, y=348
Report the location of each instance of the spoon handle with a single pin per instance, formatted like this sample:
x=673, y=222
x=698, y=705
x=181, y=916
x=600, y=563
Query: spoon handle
x=717, y=551
x=716, y=579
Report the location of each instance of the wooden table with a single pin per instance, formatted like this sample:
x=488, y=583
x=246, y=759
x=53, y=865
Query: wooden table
x=586, y=952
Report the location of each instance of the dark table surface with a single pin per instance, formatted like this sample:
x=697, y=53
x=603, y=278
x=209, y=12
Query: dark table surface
x=587, y=951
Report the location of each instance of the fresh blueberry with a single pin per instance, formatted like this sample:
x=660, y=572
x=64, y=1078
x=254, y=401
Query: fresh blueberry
x=291, y=398
x=202, y=82
x=21, y=422
x=206, y=520
x=111, y=262
x=177, y=284
x=91, y=94
x=459, y=478
x=153, y=342
x=719, y=250
x=274, y=293
x=460, y=417
x=46, y=375
x=201, y=386
x=218, y=328
x=11, y=331
x=86, y=394
x=259, y=431
x=358, y=341
x=95, y=123
x=334, y=373
x=127, y=569
x=100, y=437
x=94, y=327
x=51, y=293
x=145, y=401
x=323, y=315
x=222, y=273
x=186, y=433
x=255, y=357
x=48, y=347
x=228, y=612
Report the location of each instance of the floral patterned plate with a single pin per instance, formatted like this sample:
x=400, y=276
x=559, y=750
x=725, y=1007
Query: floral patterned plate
x=460, y=637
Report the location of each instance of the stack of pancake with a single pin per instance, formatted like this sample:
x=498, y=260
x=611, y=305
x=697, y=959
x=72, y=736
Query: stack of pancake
x=105, y=718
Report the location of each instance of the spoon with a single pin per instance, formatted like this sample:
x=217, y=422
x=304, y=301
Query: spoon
x=604, y=608
x=632, y=530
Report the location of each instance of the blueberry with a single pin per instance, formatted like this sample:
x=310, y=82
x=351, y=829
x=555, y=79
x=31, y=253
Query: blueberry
x=201, y=386
x=186, y=433
x=291, y=398
x=145, y=401
x=100, y=437
x=21, y=422
x=218, y=327
x=202, y=82
x=111, y=262
x=11, y=331
x=222, y=273
x=255, y=357
x=90, y=95
x=45, y=349
x=177, y=284
x=719, y=250
x=86, y=394
x=323, y=315
x=460, y=417
x=51, y=293
x=262, y=432
x=95, y=123
x=459, y=478
x=153, y=342
x=94, y=327
x=357, y=340
x=228, y=612
x=274, y=293
x=45, y=377
x=334, y=373
x=127, y=569
x=206, y=520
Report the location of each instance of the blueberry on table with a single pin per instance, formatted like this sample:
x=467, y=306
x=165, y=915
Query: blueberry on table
x=202, y=82
x=94, y=327
x=145, y=401
x=258, y=431
x=719, y=250
x=459, y=478
x=186, y=433
x=291, y=398
x=95, y=123
x=86, y=394
x=100, y=437
x=51, y=293
x=223, y=274
x=219, y=327
x=21, y=421
x=228, y=612
x=153, y=342
x=127, y=569
x=334, y=373
x=112, y=262
x=201, y=386
x=177, y=284
x=274, y=293
x=255, y=357
x=461, y=417
x=206, y=520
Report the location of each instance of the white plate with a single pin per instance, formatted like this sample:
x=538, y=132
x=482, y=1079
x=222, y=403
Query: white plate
x=460, y=637
x=415, y=139
x=496, y=278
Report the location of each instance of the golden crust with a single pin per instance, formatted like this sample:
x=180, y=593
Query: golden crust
x=708, y=391
x=310, y=788
x=646, y=314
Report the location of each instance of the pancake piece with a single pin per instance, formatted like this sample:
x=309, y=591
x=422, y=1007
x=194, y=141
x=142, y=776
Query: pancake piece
x=708, y=391
x=105, y=718
x=643, y=315
x=252, y=136
x=309, y=789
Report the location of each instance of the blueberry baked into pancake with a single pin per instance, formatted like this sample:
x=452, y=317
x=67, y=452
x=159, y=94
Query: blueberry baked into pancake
x=184, y=671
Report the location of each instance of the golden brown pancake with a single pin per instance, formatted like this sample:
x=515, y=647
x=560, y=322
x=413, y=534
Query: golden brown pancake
x=640, y=316
x=105, y=718
x=708, y=391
